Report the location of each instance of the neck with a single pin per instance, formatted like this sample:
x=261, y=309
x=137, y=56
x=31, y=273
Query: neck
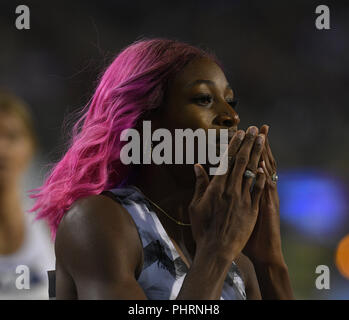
x=171, y=194
x=11, y=218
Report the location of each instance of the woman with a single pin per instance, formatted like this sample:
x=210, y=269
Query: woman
x=25, y=250
x=161, y=231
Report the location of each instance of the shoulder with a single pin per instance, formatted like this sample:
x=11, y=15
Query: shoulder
x=93, y=212
x=97, y=230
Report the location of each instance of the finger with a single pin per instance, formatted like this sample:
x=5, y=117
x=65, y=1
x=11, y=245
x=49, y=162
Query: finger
x=264, y=167
x=258, y=189
x=265, y=155
x=271, y=160
x=264, y=129
x=218, y=181
x=242, y=158
x=269, y=181
x=265, y=158
x=201, y=182
x=254, y=160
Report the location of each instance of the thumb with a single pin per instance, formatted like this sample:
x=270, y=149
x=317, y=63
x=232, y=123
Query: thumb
x=201, y=183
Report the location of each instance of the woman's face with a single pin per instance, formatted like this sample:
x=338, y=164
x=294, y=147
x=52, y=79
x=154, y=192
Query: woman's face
x=16, y=147
x=199, y=97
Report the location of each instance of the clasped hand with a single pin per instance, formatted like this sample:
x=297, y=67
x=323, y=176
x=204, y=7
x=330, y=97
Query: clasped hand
x=227, y=214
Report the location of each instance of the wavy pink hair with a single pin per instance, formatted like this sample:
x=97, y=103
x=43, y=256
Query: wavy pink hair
x=134, y=83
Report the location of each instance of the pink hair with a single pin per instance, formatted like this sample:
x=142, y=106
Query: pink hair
x=134, y=83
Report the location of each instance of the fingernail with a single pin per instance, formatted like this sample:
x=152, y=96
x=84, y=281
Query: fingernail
x=240, y=134
x=260, y=170
x=260, y=139
x=253, y=130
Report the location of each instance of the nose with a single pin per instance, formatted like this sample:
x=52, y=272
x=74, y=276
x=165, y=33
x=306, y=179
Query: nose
x=227, y=119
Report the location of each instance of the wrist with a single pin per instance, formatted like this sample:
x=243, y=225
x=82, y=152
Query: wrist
x=205, y=278
x=216, y=253
x=274, y=257
x=213, y=259
x=274, y=281
x=276, y=265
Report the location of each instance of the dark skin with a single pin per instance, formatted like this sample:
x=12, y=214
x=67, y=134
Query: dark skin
x=99, y=254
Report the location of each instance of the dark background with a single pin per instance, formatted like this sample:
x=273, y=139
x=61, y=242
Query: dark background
x=285, y=72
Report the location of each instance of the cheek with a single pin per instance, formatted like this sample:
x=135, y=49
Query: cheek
x=190, y=116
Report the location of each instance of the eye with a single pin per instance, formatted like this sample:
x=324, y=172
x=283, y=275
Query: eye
x=233, y=103
x=203, y=100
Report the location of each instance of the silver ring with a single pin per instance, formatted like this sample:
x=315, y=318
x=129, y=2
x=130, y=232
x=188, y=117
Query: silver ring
x=249, y=174
x=274, y=177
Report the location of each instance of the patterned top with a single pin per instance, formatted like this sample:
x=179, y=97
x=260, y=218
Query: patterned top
x=163, y=269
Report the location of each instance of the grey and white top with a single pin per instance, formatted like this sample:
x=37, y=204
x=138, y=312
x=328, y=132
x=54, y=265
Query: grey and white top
x=163, y=269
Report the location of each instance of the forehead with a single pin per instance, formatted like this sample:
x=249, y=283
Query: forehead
x=200, y=69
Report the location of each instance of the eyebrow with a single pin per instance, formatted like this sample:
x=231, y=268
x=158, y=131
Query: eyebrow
x=208, y=82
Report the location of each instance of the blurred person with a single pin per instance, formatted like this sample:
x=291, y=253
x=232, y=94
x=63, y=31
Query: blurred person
x=160, y=231
x=23, y=242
